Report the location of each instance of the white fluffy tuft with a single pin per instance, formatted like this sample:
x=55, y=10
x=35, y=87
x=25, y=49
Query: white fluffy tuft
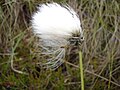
x=54, y=24
x=55, y=19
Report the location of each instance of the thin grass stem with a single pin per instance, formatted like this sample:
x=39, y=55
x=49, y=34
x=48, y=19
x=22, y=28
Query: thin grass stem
x=81, y=70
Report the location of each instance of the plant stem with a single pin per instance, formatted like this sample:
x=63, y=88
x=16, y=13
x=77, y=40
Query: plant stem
x=81, y=70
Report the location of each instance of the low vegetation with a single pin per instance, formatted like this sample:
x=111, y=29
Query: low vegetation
x=100, y=50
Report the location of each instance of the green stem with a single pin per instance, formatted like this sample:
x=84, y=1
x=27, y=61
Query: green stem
x=81, y=70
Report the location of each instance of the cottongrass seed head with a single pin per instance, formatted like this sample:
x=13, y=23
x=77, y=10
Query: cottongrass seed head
x=57, y=26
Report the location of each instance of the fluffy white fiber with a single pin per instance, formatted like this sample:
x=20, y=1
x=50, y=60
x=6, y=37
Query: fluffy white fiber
x=54, y=24
x=55, y=19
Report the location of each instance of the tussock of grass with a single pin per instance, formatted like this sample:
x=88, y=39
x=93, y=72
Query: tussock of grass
x=100, y=50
